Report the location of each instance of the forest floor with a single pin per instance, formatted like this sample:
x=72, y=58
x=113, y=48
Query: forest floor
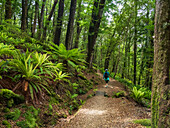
x=107, y=112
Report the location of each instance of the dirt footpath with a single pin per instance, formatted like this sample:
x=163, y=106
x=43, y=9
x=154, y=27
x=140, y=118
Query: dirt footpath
x=107, y=112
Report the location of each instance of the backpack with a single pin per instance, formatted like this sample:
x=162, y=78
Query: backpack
x=106, y=75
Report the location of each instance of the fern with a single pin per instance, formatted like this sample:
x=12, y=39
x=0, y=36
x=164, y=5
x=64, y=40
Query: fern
x=73, y=56
x=137, y=94
x=6, y=49
x=32, y=71
x=60, y=76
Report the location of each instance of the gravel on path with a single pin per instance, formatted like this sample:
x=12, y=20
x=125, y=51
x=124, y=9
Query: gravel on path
x=107, y=112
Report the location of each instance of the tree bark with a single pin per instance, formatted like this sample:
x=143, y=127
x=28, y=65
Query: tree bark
x=94, y=27
x=49, y=19
x=135, y=45
x=35, y=18
x=141, y=65
x=28, y=8
x=59, y=23
x=79, y=28
x=8, y=10
x=70, y=27
x=24, y=15
x=40, y=21
x=160, y=111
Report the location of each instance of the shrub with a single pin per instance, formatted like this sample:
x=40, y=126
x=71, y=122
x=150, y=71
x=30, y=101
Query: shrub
x=118, y=94
x=31, y=116
x=137, y=95
x=6, y=123
x=143, y=122
x=13, y=115
x=31, y=71
x=9, y=98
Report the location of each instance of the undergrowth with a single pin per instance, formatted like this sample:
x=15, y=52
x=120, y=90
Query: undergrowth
x=143, y=122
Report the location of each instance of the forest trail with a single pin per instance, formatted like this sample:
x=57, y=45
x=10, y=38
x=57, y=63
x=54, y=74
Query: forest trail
x=107, y=112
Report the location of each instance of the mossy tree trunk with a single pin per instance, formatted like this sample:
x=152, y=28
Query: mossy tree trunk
x=8, y=10
x=40, y=19
x=94, y=28
x=79, y=28
x=160, y=86
x=24, y=15
x=59, y=23
x=70, y=27
x=49, y=19
x=35, y=17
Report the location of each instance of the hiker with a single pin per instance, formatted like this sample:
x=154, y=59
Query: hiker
x=106, y=77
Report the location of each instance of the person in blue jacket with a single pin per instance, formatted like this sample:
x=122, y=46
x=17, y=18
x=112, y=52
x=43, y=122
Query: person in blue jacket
x=106, y=77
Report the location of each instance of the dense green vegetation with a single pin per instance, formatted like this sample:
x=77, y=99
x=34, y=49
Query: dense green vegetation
x=47, y=48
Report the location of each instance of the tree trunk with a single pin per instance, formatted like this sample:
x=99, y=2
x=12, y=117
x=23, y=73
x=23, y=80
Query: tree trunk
x=94, y=27
x=135, y=45
x=117, y=63
x=161, y=86
x=141, y=65
x=59, y=23
x=124, y=69
x=35, y=18
x=70, y=27
x=24, y=15
x=79, y=28
x=28, y=8
x=8, y=10
x=41, y=19
x=49, y=19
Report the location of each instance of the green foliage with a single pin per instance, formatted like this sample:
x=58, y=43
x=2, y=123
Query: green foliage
x=73, y=56
x=50, y=108
x=90, y=95
x=140, y=94
x=31, y=116
x=137, y=94
x=10, y=103
x=82, y=76
x=6, y=110
x=6, y=49
x=3, y=67
x=75, y=86
x=6, y=93
x=74, y=96
x=10, y=98
x=32, y=70
x=143, y=122
x=118, y=94
x=13, y=115
x=6, y=123
x=60, y=76
x=94, y=90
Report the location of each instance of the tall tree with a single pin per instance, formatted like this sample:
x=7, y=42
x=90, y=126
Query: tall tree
x=112, y=42
x=35, y=17
x=79, y=28
x=161, y=86
x=70, y=27
x=135, y=44
x=24, y=15
x=40, y=19
x=94, y=28
x=49, y=18
x=59, y=22
x=8, y=10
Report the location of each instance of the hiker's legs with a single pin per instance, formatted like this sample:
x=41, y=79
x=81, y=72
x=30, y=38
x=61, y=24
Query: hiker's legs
x=106, y=83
